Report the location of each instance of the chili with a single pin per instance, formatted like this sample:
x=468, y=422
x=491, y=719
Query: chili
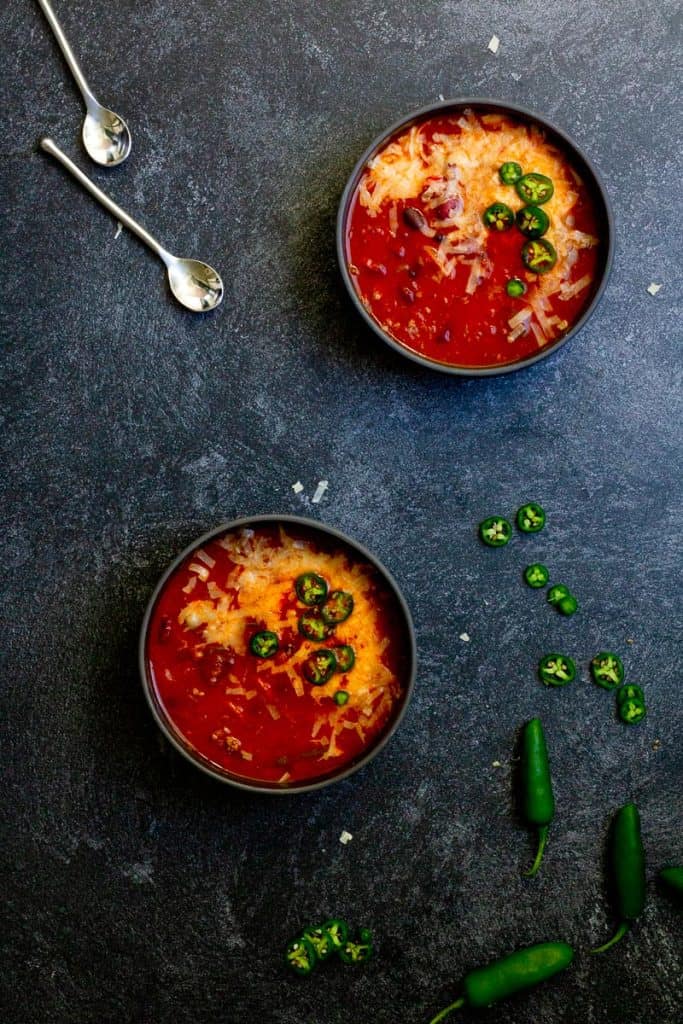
x=498, y=217
x=627, y=868
x=538, y=803
x=341, y=698
x=531, y=518
x=495, y=531
x=556, y=669
x=632, y=711
x=264, y=644
x=510, y=172
x=338, y=931
x=535, y=188
x=311, y=589
x=357, y=952
x=539, y=255
x=568, y=605
x=346, y=657
x=532, y=221
x=300, y=955
x=536, y=575
x=631, y=692
x=319, y=667
x=672, y=878
x=523, y=969
x=321, y=942
x=557, y=592
x=607, y=670
x=337, y=608
x=313, y=626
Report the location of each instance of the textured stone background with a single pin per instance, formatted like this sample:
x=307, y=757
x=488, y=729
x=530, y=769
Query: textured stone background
x=134, y=888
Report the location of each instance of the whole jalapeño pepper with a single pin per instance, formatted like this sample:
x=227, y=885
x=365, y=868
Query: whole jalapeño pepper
x=537, y=803
x=627, y=866
x=502, y=978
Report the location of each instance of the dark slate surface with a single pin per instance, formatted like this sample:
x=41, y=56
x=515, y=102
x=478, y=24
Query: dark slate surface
x=134, y=888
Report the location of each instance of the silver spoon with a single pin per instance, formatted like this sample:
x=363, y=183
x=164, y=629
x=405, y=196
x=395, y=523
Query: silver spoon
x=195, y=285
x=105, y=135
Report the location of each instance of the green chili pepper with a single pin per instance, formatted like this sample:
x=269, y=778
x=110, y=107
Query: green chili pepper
x=321, y=942
x=538, y=803
x=672, y=879
x=510, y=172
x=535, y=188
x=264, y=644
x=607, y=670
x=631, y=692
x=495, y=531
x=515, y=288
x=338, y=932
x=557, y=592
x=300, y=956
x=498, y=217
x=632, y=711
x=531, y=518
x=532, y=221
x=319, y=667
x=337, y=608
x=539, y=255
x=313, y=626
x=523, y=969
x=536, y=575
x=556, y=670
x=341, y=698
x=311, y=589
x=346, y=657
x=357, y=952
x=568, y=605
x=627, y=867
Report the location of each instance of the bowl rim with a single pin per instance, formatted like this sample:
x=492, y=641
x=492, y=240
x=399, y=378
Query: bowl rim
x=524, y=113
x=261, y=786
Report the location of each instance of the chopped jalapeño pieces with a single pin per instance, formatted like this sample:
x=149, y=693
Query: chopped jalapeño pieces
x=556, y=670
x=538, y=255
x=357, y=952
x=631, y=692
x=341, y=698
x=515, y=288
x=337, y=607
x=264, y=644
x=510, y=172
x=346, y=657
x=319, y=667
x=557, y=593
x=531, y=518
x=536, y=575
x=495, y=531
x=532, y=221
x=301, y=956
x=632, y=711
x=321, y=942
x=313, y=626
x=498, y=217
x=311, y=589
x=607, y=670
x=534, y=188
x=568, y=605
x=338, y=931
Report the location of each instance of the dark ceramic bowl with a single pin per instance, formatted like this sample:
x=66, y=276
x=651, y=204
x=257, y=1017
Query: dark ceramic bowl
x=553, y=134
x=259, y=786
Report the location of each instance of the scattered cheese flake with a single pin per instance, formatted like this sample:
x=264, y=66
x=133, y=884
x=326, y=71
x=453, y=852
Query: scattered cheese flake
x=319, y=491
x=653, y=288
x=629, y=640
x=494, y=43
x=119, y=229
x=656, y=745
x=496, y=764
x=465, y=637
x=441, y=97
x=345, y=837
x=297, y=487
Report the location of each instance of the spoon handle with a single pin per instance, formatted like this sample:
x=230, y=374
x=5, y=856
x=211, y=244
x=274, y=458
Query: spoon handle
x=69, y=55
x=50, y=147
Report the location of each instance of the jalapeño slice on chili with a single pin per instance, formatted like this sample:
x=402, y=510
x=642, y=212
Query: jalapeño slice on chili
x=532, y=221
x=338, y=607
x=264, y=644
x=515, y=288
x=536, y=575
x=338, y=932
x=313, y=626
x=300, y=956
x=607, y=670
x=311, y=589
x=538, y=255
x=556, y=669
x=346, y=657
x=534, y=188
x=632, y=711
x=498, y=217
x=568, y=605
x=495, y=531
x=510, y=172
x=531, y=518
x=319, y=667
x=341, y=698
x=631, y=692
x=557, y=593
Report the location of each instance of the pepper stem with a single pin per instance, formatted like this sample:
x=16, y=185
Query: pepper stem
x=542, y=840
x=454, y=1006
x=619, y=934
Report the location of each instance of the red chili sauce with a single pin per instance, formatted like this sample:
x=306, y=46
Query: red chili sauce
x=441, y=290
x=260, y=718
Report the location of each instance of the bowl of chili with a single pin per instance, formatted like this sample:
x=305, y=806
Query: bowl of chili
x=474, y=237
x=277, y=655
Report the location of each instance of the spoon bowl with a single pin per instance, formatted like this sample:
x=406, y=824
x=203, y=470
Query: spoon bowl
x=106, y=136
x=195, y=285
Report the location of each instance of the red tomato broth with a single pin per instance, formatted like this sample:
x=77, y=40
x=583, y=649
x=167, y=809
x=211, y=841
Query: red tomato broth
x=403, y=290
x=192, y=677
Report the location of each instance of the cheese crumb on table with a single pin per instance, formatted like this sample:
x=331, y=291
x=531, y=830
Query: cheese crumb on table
x=654, y=288
x=465, y=637
x=494, y=43
x=345, y=837
x=496, y=764
x=319, y=491
x=119, y=229
x=297, y=487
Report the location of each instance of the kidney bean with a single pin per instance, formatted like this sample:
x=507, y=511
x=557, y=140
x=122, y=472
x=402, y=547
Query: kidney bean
x=164, y=629
x=215, y=665
x=415, y=218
